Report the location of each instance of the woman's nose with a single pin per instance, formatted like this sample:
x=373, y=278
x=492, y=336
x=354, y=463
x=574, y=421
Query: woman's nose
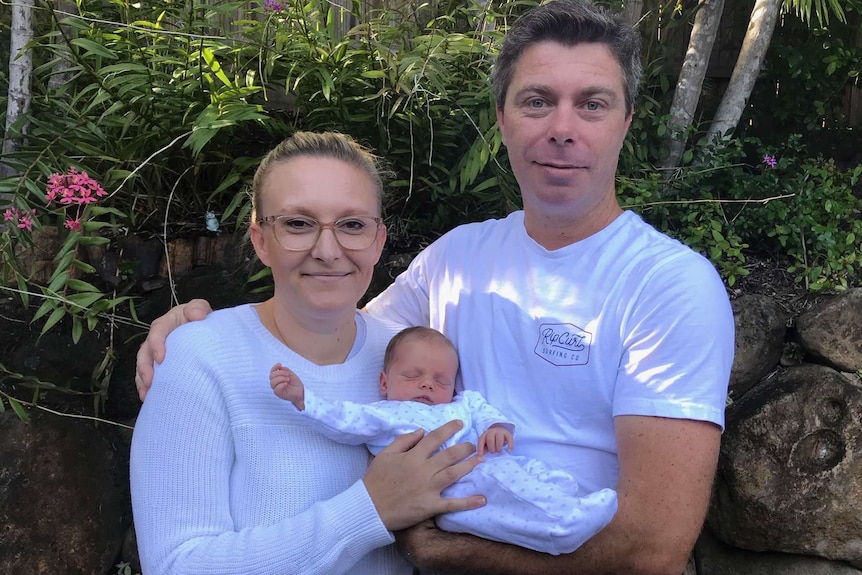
x=326, y=247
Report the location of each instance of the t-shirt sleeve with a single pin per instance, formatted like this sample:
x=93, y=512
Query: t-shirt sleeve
x=678, y=341
x=406, y=302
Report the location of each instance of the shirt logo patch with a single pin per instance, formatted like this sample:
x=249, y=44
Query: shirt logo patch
x=563, y=344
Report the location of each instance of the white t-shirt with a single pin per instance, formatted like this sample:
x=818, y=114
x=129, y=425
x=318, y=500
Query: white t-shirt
x=625, y=322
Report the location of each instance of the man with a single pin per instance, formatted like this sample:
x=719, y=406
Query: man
x=608, y=343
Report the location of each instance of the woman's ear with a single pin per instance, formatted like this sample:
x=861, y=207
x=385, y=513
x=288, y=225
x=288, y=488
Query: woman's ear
x=260, y=243
x=380, y=241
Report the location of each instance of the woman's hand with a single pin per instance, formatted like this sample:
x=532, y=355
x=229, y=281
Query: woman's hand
x=153, y=348
x=405, y=479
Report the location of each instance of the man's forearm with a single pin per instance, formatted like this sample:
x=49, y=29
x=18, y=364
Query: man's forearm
x=666, y=471
x=438, y=552
x=623, y=547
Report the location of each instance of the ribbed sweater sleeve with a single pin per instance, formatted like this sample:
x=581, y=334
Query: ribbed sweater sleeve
x=193, y=474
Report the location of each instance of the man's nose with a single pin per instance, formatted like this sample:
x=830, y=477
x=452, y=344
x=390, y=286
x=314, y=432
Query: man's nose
x=563, y=125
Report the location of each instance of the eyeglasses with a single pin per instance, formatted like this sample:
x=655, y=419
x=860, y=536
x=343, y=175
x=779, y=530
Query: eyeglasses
x=298, y=233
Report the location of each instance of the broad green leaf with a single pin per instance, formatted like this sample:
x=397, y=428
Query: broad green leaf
x=237, y=199
x=46, y=306
x=94, y=241
x=18, y=409
x=81, y=285
x=77, y=329
x=84, y=299
x=264, y=273
x=84, y=266
x=93, y=48
x=23, y=290
x=52, y=320
x=215, y=66
x=58, y=280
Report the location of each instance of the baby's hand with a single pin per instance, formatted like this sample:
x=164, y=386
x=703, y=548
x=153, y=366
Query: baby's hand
x=287, y=385
x=494, y=438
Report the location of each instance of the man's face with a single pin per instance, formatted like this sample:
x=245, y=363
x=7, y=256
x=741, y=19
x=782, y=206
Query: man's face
x=563, y=123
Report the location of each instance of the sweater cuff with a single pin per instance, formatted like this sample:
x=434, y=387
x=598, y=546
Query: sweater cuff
x=365, y=530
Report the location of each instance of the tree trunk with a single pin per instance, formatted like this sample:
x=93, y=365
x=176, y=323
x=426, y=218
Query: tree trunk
x=62, y=74
x=632, y=12
x=690, y=81
x=764, y=15
x=485, y=24
x=20, y=68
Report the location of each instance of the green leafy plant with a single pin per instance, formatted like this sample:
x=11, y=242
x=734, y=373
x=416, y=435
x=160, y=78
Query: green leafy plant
x=169, y=106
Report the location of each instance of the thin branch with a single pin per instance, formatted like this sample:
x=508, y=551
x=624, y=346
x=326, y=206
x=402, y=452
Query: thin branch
x=124, y=320
x=139, y=28
x=61, y=414
x=763, y=201
x=145, y=162
x=165, y=238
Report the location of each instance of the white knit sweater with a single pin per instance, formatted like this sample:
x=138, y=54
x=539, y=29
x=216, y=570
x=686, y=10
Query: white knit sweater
x=229, y=479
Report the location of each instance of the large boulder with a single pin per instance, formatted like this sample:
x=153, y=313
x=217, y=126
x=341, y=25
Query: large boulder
x=63, y=500
x=713, y=557
x=790, y=470
x=832, y=331
x=761, y=326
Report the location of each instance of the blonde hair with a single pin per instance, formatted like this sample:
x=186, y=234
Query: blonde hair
x=322, y=145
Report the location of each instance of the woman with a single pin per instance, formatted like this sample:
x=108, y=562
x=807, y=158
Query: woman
x=225, y=477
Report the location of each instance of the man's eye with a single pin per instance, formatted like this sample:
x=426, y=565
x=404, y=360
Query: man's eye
x=593, y=106
x=536, y=103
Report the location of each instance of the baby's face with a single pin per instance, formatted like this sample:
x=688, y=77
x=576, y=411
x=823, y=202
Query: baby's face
x=422, y=371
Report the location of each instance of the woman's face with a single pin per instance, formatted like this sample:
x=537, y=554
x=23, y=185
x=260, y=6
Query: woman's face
x=325, y=279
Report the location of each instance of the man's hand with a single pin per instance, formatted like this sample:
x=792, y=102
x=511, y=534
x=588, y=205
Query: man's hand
x=287, y=385
x=666, y=471
x=153, y=348
x=494, y=439
x=405, y=479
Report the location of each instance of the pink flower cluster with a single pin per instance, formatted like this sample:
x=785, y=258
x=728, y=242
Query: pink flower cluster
x=20, y=218
x=770, y=160
x=73, y=188
x=272, y=6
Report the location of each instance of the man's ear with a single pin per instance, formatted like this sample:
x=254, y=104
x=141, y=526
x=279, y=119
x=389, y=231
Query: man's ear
x=501, y=124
